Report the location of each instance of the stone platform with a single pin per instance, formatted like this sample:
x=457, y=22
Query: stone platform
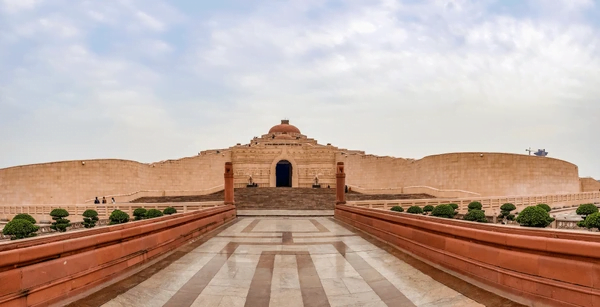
x=285, y=212
x=290, y=262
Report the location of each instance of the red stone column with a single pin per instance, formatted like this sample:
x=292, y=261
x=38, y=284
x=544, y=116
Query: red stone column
x=340, y=180
x=229, y=183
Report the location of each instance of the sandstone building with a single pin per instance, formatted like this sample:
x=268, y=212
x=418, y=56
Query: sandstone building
x=286, y=157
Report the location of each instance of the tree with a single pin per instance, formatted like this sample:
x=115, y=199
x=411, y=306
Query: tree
x=90, y=217
x=534, y=216
x=60, y=224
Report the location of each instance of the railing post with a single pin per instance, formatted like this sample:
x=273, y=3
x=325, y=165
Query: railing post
x=229, y=183
x=340, y=180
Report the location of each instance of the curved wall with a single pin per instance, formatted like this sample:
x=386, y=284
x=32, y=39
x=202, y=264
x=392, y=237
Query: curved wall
x=73, y=182
x=488, y=174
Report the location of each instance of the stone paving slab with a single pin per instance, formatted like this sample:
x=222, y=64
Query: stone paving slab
x=285, y=212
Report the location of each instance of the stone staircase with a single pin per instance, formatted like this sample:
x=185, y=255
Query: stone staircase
x=280, y=198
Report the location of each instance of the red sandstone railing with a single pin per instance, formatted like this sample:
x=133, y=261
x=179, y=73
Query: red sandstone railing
x=531, y=266
x=490, y=204
x=42, y=212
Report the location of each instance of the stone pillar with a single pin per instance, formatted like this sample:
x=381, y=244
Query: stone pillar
x=229, y=183
x=340, y=180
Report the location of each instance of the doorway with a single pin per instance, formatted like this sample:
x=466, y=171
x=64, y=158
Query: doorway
x=283, y=174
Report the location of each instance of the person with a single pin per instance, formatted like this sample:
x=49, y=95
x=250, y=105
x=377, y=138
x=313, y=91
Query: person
x=113, y=200
x=103, y=199
x=96, y=201
x=328, y=187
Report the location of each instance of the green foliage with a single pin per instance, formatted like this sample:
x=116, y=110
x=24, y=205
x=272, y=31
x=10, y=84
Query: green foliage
x=25, y=216
x=581, y=224
x=534, y=216
x=397, y=209
x=428, y=208
x=118, y=217
x=443, y=211
x=586, y=209
x=169, y=210
x=510, y=217
x=475, y=205
x=545, y=207
x=60, y=224
x=139, y=213
x=90, y=217
x=19, y=229
x=475, y=216
x=508, y=207
x=415, y=210
x=152, y=213
x=593, y=221
x=454, y=206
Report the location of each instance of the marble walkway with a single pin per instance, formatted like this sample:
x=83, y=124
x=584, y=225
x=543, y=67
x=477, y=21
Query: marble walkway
x=299, y=261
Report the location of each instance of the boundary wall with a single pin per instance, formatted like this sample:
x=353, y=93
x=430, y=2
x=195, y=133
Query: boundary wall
x=487, y=174
x=72, y=182
x=47, y=270
x=536, y=267
x=589, y=184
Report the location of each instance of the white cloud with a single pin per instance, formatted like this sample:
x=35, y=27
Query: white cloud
x=15, y=6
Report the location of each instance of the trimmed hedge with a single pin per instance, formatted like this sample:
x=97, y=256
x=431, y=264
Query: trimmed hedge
x=428, y=208
x=60, y=224
x=90, y=217
x=25, y=216
x=545, y=207
x=475, y=215
x=19, y=229
x=169, y=210
x=474, y=205
x=139, y=213
x=152, y=213
x=454, y=206
x=593, y=221
x=445, y=211
x=586, y=209
x=505, y=211
x=534, y=216
x=118, y=217
x=415, y=210
x=397, y=209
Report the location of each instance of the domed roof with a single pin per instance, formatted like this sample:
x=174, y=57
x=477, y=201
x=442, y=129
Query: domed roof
x=284, y=127
x=284, y=137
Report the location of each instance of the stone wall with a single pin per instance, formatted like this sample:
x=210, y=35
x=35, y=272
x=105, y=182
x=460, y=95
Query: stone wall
x=589, y=184
x=487, y=174
x=73, y=182
x=535, y=267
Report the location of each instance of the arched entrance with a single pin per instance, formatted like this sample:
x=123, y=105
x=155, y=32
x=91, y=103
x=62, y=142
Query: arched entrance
x=283, y=174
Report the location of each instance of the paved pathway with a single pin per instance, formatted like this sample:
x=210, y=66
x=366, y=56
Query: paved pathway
x=301, y=261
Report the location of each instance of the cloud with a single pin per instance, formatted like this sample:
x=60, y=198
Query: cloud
x=399, y=78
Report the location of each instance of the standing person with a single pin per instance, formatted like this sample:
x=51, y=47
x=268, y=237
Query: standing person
x=113, y=200
x=103, y=199
x=96, y=201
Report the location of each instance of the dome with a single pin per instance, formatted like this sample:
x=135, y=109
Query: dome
x=284, y=127
x=284, y=137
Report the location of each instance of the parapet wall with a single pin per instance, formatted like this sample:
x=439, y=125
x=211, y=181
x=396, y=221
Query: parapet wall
x=46, y=270
x=72, y=182
x=533, y=267
x=486, y=174
x=589, y=184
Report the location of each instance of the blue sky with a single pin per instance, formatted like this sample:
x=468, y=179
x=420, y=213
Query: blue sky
x=156, y=80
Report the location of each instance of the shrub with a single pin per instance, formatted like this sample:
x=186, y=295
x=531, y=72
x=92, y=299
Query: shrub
x=581, y=224
x=60, y=224
x=534, y=216
x=443, y=211
x=118, y=217
x=19, y=229
x=428, y=208
x=397, y=209
x=475, y=205
x=152, y=213
x=90, y=217
x=593, y=220
x=169, y=210
x=415, y=210
x=475, y=216
x=505, y=211
x=586, y=209
x=545, y=207
x=25, y=216
x=454, y=206
x=510, y=217
x=139, y=213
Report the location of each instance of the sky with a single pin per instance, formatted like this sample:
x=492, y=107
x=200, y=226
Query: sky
x=157, y=80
